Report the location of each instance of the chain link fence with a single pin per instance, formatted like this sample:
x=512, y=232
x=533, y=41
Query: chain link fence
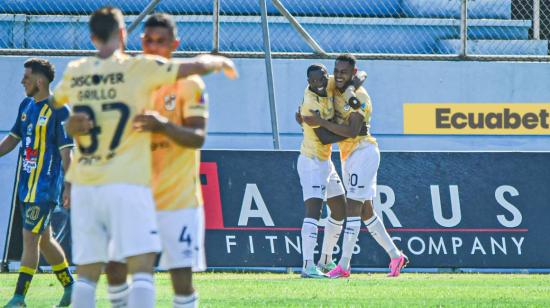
x=366, y=27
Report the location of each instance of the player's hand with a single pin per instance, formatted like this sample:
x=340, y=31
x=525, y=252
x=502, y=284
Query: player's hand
x=78, y=124
x=221, y=63
x=358, y=79
x=229, y=69
x=314, y=119
x=149, y=121
x=298, y=116
x=67, y=195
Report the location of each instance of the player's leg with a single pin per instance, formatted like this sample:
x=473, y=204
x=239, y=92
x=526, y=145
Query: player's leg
x=54, y=255
x=182, y=235
x=366, y=188
x=184, y=292
x=134, y=238
x=336, y=201
x=34, y=216
x=314, y=175
x=85, y=285
x=118, y=288
x=354, y=205
x=90, y=238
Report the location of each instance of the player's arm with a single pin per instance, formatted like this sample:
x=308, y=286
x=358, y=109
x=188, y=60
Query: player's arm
x=12, y=139
x=326, y=136
x=8, y=144
x=348, y=131
x=65, y=145
x=78, y=124
x=205, y=64
x=191, y=135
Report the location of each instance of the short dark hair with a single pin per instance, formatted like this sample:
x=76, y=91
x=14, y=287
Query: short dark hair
x=106, y=21
x=316, y=67
x=347, y=57
x=41, y=66
x=162, y=20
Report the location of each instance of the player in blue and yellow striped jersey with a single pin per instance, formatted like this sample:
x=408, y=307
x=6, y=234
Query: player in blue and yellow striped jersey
x=44, y=153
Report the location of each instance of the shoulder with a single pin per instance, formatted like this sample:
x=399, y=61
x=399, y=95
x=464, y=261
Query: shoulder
x=149, y=59
x=62, y=113
x=75, y=64
x=193, y=82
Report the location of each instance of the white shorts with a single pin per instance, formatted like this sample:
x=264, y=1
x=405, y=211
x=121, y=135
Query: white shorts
x=318, y=178
x=359, y=171
x=182, y=236
x=112, y=222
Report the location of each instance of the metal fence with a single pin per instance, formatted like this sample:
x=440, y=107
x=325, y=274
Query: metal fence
x=494, y=29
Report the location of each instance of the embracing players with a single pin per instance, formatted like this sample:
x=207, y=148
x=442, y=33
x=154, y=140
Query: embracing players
x=360, y=160
x=113, y=212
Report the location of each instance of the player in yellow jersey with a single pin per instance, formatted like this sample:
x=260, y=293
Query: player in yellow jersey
x=113, y=209
x=360, y=160
x=318, y=177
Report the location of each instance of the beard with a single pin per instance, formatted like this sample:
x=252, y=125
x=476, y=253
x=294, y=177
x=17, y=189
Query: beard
x=32, y=91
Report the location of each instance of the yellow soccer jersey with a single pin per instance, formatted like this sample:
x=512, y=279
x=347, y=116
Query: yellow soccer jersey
x=176, y=179
x=112, y=91
x=311, y=146
x=342, y=112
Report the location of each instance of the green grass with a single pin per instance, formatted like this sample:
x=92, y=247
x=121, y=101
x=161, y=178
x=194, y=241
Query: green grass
x=288, y=290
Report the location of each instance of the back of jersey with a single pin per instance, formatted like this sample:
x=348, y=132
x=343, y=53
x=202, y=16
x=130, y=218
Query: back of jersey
x=111, y=92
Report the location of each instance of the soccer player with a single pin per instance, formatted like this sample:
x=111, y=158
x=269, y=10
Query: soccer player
x=314, y=165
x=113, y=212
x=179, y=125
x=318, y=177
x=45, y=150
x=360, y=160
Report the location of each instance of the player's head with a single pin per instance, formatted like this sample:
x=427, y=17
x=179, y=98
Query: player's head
x=344, y=69
x=160, y=35
x=317, y=78
x=39, y=73
x=107, y=27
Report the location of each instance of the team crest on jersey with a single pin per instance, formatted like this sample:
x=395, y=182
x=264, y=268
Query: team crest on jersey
x=170, y=102
x=42, y=120
x=23, y=117
x=347, y=107
x=29, y=130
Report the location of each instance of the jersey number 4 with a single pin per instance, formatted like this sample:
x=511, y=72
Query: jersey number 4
x=94, y=132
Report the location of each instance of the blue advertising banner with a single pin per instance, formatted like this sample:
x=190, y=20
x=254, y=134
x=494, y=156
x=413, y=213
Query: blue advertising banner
x=444, y=210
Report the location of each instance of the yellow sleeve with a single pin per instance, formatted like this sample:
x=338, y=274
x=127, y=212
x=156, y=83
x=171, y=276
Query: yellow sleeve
x=364, y=98
x=195, y=98
x=159, y=71
x=309, y=104
x=61, y=91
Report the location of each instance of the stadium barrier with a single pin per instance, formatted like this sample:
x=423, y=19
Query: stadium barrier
x=444, y=210
x=370, y=28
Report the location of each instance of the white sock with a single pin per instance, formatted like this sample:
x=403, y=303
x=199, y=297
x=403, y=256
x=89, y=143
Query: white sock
x=333, y=229
x=83, y=295
x=309, y=240
x=118, y=295
x=379, y=233
x=186, y=301
x=351, y=233
x=142, y=291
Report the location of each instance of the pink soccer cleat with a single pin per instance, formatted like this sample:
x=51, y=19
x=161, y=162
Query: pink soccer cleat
x=338, y=272
x=397, y=264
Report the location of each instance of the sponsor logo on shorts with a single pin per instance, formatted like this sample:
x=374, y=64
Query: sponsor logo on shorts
x=32, y=213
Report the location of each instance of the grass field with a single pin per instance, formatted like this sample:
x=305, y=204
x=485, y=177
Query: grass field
x=362, y=290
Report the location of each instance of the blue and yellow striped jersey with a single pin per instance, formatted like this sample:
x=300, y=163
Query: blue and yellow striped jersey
x=40, y=129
